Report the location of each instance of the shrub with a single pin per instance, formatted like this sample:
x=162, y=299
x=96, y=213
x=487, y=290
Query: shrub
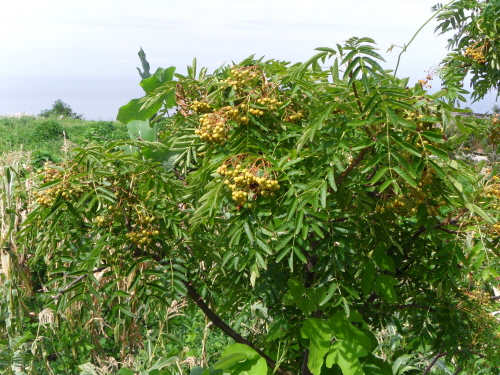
x=106, y=130
x=39, y=158
x=102, y=128
x=48, y=130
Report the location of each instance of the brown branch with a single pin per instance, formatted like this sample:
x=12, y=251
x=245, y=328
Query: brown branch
x=75, y=281
x=305, y=368
x=218, y=322
x=351, y=166
x=433, y=362
x=356, y=93
x=494, y=298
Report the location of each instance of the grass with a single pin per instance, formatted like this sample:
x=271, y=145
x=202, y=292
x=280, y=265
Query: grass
x=18, y=135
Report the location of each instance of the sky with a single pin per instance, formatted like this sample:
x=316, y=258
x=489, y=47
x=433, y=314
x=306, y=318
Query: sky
x=84, y=52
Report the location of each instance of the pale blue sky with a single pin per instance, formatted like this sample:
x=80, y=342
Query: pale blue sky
x=84, y=52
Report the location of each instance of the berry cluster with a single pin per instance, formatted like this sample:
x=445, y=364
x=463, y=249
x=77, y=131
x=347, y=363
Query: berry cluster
x=294, y=117
x=213, y=128
x=271, y=104
x=240, y=77
x=408, y=204
x=102, y=221
x=493, y=192
x=64, y=189
x=256, y=112
x=246, y=183
x=201, y=107
x=234, y=114
x=143, y=230
x=475, y=53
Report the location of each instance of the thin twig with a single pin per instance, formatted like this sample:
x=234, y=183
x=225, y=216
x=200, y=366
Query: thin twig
x=351, y=166
x=78, y=279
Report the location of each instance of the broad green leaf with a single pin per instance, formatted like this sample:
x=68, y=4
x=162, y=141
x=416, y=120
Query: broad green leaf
x=241, y=359
x=229, y=360
x=295, y=293
x=319, y=334
x=385, y=284
x=141, y=130
x=132, y=111
x=125, y=371
x=381, y=259
x=346, y=354
x=367, y=278
x=307, y=306
x=150, y=84
x=343, y=329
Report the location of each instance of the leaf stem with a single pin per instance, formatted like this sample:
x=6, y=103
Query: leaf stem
x=415, y=35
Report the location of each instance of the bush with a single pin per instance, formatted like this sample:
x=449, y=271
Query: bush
x=102, y=128
x=48, y=130
x=106, y=130
x=39, y=158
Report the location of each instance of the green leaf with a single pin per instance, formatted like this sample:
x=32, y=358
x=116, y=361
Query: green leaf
x=439, y=153
x=295, y=293
x=230, y=360
x=328, y=294
x=150, y=84
x=248, y=231
x=367, y=278
x=378, y=175
x=319, y=334
x=141, y=129
x=405, y=176
x=343, y=329
x=385, y=284
x=435, y=137
x=263, y=246
x=373, y=161
x=132, y=111
x=346, y=354
x=381, y=259
x=331, y=179
x=478, y=210
x=306, y=306
x=241, y=359
x=299, y=254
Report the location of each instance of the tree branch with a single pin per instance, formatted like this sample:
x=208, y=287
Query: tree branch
x=351, y=166
x=78, y=279
x=218, y=322
x=433, y=362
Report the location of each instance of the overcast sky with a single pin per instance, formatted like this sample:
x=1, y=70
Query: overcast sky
x=84, y=52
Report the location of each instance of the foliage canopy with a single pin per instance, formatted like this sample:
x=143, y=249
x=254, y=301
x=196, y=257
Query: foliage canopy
x=314, y=212
x=319, y=203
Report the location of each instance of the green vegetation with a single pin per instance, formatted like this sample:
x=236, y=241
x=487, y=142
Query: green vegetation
x=308, y=218
x=46, y=138
x=60, y=110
